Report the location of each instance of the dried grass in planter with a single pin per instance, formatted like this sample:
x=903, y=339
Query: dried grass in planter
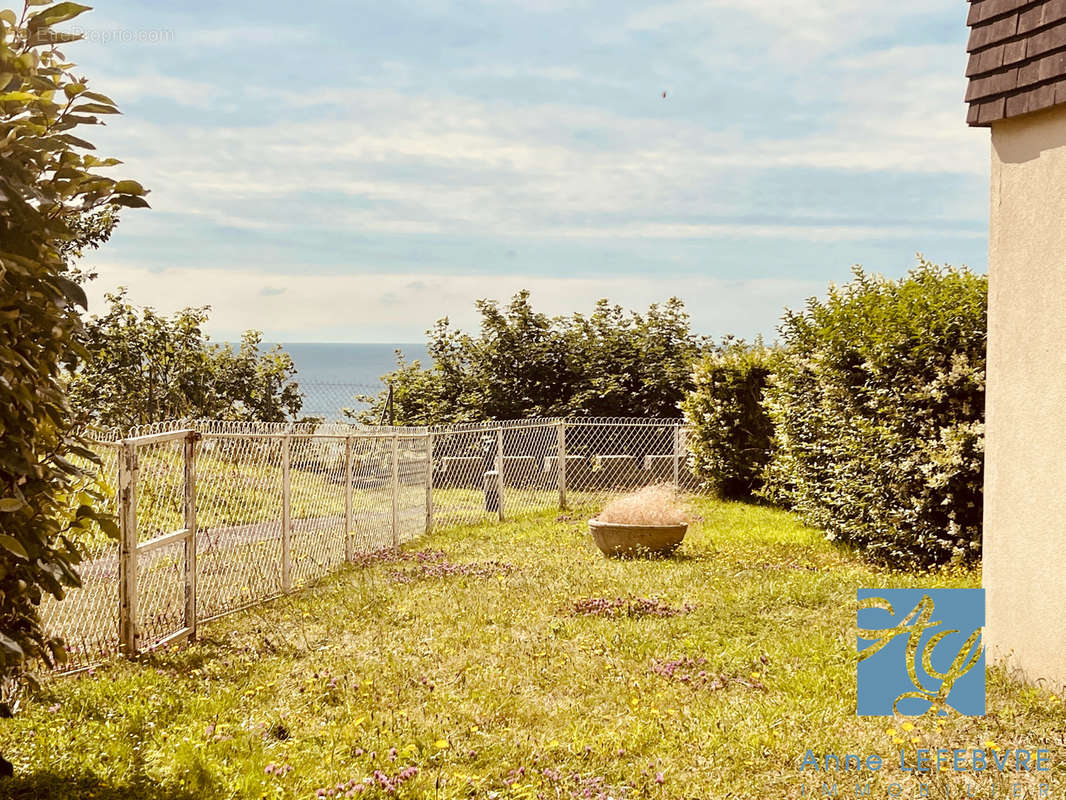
x=652, y=505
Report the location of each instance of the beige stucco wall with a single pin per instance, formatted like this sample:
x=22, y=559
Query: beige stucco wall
x=1025, y=459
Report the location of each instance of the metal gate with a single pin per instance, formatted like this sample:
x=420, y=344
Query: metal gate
x=157, y=549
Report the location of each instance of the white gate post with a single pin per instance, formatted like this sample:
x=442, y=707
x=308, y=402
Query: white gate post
x=348, y=498
x=127, y=548
x=190, y=525
x=395, y=490
x=286, y=514
x=560, y=461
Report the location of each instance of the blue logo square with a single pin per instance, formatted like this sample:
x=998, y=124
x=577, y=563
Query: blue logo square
x=920, y=648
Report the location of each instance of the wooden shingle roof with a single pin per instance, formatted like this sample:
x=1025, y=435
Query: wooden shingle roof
x=1017, y=58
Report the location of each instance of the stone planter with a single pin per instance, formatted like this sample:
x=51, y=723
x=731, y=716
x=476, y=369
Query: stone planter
x=615, y=539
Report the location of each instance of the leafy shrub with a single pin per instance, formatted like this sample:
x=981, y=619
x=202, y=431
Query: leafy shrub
x=141, y=367
x=878, y=412
x=652, y=505
x=731, y=431
x=610, y=363
x=47, y=184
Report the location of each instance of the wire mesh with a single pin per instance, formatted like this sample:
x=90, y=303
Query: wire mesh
x=238, y=511
x=412, y=466
x=160, y=504
x=279, y=505
x=316, y=478
x=605, y=458
x=526, y=479
x=372, y=527
x=461, y=458
x=87, y=617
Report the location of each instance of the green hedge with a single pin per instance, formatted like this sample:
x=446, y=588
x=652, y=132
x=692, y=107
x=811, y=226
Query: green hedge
x=877, y=405
x=731, y=435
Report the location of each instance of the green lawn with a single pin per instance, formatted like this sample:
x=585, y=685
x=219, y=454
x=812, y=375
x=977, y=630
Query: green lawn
x=484, y=679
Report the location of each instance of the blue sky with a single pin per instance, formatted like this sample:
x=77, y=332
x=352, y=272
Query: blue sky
x=348, y=171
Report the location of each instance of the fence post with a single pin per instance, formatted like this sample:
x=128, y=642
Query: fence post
x=127, y=548
x=677, y=456
x=560, y=461
x=348, y=498
x=395, y=490
x=190, y=526
x=499, y=471
x=429, y=483
x=286, y=514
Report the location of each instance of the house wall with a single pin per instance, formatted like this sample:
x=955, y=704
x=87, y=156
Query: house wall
x=1025, y=458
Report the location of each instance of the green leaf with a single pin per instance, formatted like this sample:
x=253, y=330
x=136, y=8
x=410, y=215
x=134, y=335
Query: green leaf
x=75, y=141
x=130, y=201
x=100, y=98
x=72, y=291
x=95, y=108
x=129, y=187
x=42, y=84
x=9, y=504
x=93, y=161
x=13, y=545
x=70, y=120
x=18, y=97
x=108, y=526
x=84, y=452
x=10, y=645
x=65, y=466
x=61, y=12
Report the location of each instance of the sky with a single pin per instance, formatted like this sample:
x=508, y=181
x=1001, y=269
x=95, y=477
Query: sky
x=351, y=172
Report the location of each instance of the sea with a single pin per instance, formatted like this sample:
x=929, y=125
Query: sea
x=333, y=375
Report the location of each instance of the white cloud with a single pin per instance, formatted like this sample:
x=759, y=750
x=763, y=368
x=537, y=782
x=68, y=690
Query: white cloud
x=399, y=307
x=230, y=36
x=806, y=232
x=413, y=155
x=802, y=30
x=430, y=164
x=127, y=88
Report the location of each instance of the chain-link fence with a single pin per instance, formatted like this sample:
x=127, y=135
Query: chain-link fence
x=218, y=516
x=335, y=401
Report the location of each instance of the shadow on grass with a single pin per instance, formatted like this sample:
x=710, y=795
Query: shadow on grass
x=53, y=785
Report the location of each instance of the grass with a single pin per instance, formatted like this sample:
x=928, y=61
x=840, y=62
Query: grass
x=513, y=661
